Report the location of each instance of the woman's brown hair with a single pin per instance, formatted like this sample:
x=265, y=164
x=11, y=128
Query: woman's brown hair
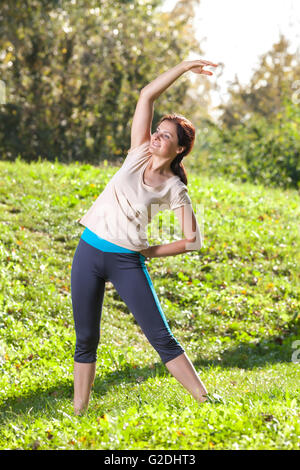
x=186, y=138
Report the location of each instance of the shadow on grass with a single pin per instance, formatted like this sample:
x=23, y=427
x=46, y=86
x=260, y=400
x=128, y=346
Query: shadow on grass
x=275, y=349
x=45, y=402
x=244, y=355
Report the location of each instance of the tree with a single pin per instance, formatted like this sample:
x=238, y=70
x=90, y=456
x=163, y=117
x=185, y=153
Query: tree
x=74, y=69
x=270, y=84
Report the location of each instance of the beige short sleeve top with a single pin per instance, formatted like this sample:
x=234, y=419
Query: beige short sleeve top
x=127, y=205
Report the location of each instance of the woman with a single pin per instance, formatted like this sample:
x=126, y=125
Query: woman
x=114, y=247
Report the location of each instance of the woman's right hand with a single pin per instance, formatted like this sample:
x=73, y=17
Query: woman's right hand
x=196, y=66
x=146, y=252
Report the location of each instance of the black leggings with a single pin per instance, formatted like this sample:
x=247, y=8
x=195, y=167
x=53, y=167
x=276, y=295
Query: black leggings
x=91, y=268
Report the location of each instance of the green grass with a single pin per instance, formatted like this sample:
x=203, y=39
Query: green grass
x=234, y=306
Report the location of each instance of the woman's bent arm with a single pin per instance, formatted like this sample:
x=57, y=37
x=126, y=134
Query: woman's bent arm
x=170, y=249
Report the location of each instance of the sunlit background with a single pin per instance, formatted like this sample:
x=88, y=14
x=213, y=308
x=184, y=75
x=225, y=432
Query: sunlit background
x=237, y=32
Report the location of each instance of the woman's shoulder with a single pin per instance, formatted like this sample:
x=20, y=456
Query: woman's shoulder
x=178, y=184
x=137, y=154
x=141, y=148
x=179, y=195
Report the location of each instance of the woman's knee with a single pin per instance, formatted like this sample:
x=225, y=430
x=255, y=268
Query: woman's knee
x=86, y=347
x=167, y=347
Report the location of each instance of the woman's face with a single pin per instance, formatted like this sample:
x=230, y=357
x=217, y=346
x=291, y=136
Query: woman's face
x=164, y=141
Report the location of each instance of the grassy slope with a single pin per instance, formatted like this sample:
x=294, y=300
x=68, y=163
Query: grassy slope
x=234, y=306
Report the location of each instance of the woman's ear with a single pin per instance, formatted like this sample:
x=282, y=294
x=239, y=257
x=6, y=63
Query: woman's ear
x=180, y=150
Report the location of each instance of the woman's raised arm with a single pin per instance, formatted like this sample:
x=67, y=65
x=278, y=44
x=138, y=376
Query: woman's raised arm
x=155, y=88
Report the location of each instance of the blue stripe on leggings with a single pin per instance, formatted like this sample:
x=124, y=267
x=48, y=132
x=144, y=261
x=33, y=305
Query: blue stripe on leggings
x=104, y=245
x=142, y=258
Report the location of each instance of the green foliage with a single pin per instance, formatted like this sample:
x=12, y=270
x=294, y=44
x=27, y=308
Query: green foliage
x=257, y=135
x=276, y=76
x=73, y=73
x=255, y=150
x=234, y=306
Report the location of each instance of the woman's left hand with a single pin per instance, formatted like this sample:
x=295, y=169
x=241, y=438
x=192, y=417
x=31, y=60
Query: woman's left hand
x=196, y=66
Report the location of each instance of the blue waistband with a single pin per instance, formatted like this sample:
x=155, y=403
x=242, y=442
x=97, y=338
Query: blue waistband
x=103, y=245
